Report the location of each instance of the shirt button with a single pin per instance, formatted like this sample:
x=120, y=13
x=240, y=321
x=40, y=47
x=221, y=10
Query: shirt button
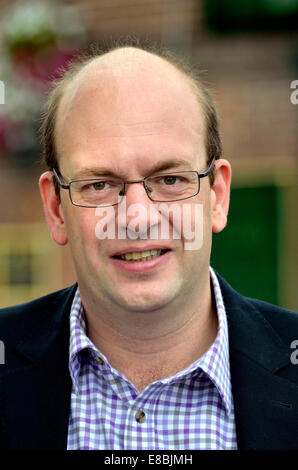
x=99, y=360
x=140, y=416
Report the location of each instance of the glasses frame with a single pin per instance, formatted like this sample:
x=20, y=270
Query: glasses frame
x=122, y=191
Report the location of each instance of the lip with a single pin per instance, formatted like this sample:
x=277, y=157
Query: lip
x=139, y=249
x=141, y=266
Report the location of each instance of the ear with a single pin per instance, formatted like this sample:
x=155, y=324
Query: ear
x=53, y=209
x=220, y=195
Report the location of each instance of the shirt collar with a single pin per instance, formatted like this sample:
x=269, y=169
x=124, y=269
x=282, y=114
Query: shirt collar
x=79, y=340
x=214, y=362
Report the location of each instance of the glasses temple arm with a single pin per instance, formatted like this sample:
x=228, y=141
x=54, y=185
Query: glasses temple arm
x=64, y=186
x=208, y=171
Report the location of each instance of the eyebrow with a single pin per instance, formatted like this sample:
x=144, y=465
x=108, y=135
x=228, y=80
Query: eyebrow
x=169, y=165
x=156, y=168
x=93, y=173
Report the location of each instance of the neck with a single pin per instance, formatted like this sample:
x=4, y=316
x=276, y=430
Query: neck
x=154, y=345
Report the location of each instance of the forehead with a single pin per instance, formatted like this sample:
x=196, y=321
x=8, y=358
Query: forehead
x=127, y=95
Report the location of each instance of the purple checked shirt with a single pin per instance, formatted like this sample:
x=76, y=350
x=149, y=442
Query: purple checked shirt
x=190, y=410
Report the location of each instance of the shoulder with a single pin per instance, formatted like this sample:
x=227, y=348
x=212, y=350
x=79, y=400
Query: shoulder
x=242, y=308
x=16, y=319
x=34, y=306
x=281, y=319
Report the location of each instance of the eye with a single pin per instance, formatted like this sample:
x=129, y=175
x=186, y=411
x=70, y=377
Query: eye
x=169, y=179
x=99, y=185
x=93, y=186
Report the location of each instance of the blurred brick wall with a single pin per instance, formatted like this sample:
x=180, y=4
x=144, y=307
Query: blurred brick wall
x=251, y=78
x=140, y=17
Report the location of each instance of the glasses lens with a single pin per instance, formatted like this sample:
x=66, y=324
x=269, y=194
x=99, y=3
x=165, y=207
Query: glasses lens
x=95, y=193
x=173, y=186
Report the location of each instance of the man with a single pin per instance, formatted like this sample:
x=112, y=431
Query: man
x=151, y=349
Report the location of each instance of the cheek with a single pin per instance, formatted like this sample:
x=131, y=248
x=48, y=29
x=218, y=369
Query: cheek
x=81, y=228
x=86, y=248
x=196, y=221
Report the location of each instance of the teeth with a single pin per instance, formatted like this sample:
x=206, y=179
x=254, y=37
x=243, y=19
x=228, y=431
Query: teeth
x=141, y=256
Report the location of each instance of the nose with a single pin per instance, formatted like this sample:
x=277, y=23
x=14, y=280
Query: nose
x=136, y=190
x=142, y=216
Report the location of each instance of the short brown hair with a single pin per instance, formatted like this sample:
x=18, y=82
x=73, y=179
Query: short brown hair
x=213, y=139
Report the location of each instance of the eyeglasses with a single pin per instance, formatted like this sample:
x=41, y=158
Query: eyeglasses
x=106, y=191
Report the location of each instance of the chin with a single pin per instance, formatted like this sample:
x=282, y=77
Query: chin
x=147, y=301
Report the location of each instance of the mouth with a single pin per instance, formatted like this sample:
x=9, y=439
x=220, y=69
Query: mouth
x=136, y=256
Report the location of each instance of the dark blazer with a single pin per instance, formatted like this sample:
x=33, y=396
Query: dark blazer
x=35, y=385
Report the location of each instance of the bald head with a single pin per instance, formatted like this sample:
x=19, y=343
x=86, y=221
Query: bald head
x=126, y=62
x=124, y=85
x=123, y=80
x=121, y=70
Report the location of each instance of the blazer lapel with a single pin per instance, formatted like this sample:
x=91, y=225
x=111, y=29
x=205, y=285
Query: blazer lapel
x=36, y=414
x=265, y=400
x=265, y=407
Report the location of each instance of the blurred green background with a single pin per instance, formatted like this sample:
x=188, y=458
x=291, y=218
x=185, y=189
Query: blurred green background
x=252, y=240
